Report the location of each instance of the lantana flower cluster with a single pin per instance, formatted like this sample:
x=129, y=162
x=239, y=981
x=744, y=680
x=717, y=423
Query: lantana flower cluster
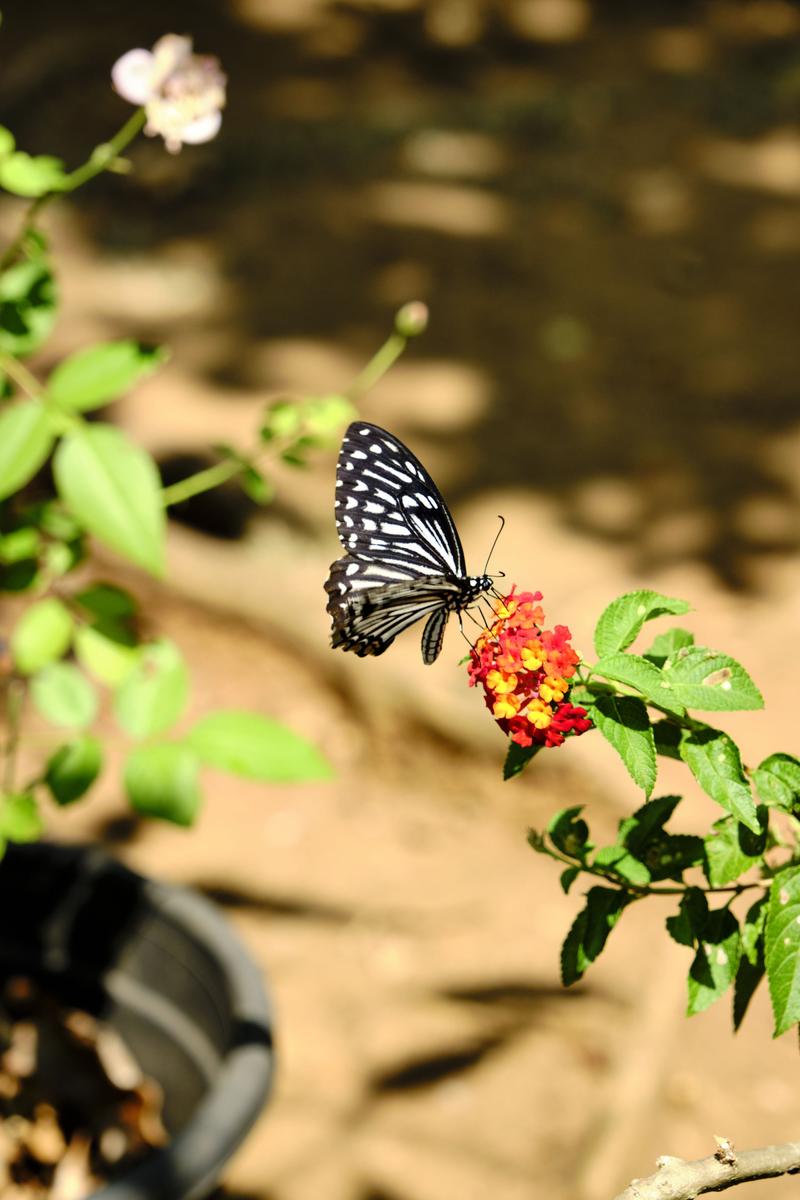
x=524, y=671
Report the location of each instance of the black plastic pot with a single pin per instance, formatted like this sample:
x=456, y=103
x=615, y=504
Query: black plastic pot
x=163, y=967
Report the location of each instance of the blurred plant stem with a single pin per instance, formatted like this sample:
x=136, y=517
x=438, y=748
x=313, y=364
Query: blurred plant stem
x=19, y=373
x=15, y=698
x=104, y=157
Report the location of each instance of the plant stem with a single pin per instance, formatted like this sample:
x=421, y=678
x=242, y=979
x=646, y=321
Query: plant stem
x=98, y=161
x=377, y=366
x=24, y=379
x=203, y=481
x=15, y=696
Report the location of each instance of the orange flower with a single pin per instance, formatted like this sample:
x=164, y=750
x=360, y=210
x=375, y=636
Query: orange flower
x=524, y=671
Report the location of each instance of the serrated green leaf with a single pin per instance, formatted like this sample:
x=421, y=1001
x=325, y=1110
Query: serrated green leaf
x=257, y=747
x=668, y=644
x=153, y=695
x=162, y=781
x=624, y=723
x=638, y=830
x=72, y=768
x=20, y=820
x=639, y=673
x=26, y=175
x=568, y=877
x=64, y=696
x=589, y=933
x=713, y=758
x=622, y=620
x=569, y=832
x=777, y=781
x=782, y=948
x=732, y=849
x=711, y=682
x=622, y=863
x=109, y=661
x=688, y=926
x=517, y=758
x=27, y=306
x=753, y=929
x=26, y=438
x=92, y=377
x=716, y=961
x=41, y=635
x=114, y=489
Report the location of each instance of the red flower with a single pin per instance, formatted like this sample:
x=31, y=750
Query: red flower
x=524, y=672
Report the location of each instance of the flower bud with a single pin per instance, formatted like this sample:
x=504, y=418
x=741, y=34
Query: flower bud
x=412, y=319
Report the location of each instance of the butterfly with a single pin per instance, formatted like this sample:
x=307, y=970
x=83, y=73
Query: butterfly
x=404, y=559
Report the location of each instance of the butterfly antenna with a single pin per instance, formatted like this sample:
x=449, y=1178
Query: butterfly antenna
x=502, y=521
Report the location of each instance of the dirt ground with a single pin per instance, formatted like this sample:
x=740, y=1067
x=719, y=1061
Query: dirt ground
x=599, y=204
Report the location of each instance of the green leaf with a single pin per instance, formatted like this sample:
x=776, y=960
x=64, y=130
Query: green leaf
x=753, y=929
x=42, y=634
x=777, y=781
x=667, y=738
x=569, y=832
x=517, y=758
x=109, y=661
x=568, y=877
x=7, y=142
x=153, y=695
x=257, y=747
x=25, y=175
x=113, y=487
x=711, y=682
x=667, y=645
x=624, y=864
x=620, y=623
x=161, y=781
x=748, y=977
x=27, y=306
x=20, y=544
x=20, y=820
x=105, y=600
x=624, y=723
x=26, y=437
x=326, y=416
x=782, y=948
x=282, y=419
x=688, y=926
x=64, y=696
x=92, y=377
x=72, y=768
x=637, y=831
x=716, y=961
x=732, y=849
x=639, y=673
x=713, y=758
x=589, y=933
x=257, y=486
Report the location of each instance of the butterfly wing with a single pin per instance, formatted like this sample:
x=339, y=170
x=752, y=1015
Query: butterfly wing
x=389, y=512
x=404, y=557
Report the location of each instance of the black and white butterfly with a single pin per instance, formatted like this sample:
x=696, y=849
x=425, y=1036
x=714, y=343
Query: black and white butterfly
x=404, y=557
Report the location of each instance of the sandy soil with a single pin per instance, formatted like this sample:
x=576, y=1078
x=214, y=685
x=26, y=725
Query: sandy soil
x=600, y=205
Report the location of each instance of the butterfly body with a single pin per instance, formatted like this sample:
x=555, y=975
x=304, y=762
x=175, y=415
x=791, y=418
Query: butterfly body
x=404, y=559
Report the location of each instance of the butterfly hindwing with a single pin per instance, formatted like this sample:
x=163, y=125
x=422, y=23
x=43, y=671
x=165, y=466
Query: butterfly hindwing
x=404, y=557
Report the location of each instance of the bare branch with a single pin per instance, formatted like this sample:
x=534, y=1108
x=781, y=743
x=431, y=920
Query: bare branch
x=676, y=1179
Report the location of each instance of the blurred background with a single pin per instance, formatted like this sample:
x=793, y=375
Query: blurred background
x=599, y=203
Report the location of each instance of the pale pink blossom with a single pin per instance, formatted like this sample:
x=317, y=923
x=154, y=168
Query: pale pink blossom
x=182, y=93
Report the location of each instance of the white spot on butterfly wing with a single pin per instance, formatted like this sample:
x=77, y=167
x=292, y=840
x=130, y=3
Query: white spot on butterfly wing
x=352, y=568
x=372, y=507
x=352, y=502
x=376, y=449
x=360, y=454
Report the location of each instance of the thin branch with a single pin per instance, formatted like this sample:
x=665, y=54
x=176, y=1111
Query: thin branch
x=676, y=1179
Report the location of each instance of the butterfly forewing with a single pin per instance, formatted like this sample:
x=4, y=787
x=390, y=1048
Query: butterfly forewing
x=404, y=558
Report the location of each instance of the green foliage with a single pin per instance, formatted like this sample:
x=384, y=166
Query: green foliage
x=257, y=747
x=711, y=682
x=782, y=948
x=621, y=622
x=517, y=758
x=26, y=438
x=716, y=962
x=777, y=781
x=25, y=175
x=90, y=378
x=589, y=933
x=20, y=819
x=713, y=758
x=161, y=780
x=64, y=696
x=27, y=305
x=113, y=488
x=624, y=723
x=73, y=768
x=153, y=694
x=42, y=634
